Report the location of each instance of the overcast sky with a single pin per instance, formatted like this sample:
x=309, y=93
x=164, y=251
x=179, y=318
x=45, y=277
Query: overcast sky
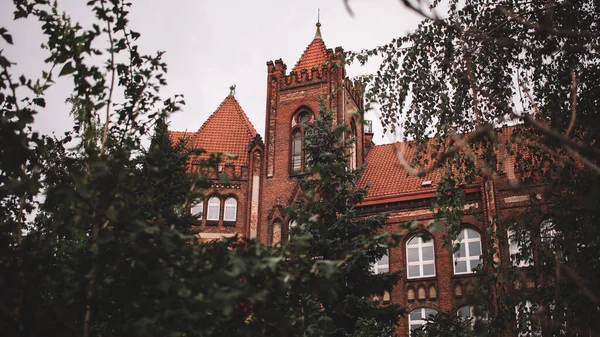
x=211, y=45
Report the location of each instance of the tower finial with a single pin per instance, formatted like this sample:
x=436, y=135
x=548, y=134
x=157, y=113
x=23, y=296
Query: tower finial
x=232, y=90
x=318, y=33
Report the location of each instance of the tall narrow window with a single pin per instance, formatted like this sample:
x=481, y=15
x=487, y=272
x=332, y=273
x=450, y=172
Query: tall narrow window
x=352, y=149
x=297, y=151
x=420, y=257
x=198, y=209
x=382, y=265
x=230, y=209
x=468, y=255
x=292, y=224
x=518, y=256
x=214, y=205
x=418, y=317
x=276, y=232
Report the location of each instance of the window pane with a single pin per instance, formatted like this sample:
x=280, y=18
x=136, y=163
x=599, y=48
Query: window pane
x=413, y=271
x=461, y=251
x=415, y=326
x=413, y=241
x=429, y=312
x=412, y=254
x=213, y=208
x=465, y=311
x=385, y=260
x=475, y=263
x=415, y=315
x=427, y=253
x=472, y=234
x=461, y=267
x=474, y=249
x=197, y=209
x=428, y=270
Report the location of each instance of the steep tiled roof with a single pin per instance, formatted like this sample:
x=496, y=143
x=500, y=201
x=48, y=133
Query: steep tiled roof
x=314, y=56
x=227, y=130
x=386, y=176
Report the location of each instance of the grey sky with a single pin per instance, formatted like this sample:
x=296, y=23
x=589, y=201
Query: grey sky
x=212, y=44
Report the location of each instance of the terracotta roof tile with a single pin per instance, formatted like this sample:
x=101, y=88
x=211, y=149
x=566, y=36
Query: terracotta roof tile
x=386, y=177
x=227, y=130
x=314, y=56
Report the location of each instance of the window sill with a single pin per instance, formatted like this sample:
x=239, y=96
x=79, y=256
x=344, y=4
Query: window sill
x=229, y=223
x=212, y=222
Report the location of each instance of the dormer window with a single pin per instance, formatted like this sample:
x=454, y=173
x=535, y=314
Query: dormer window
x=298, y=158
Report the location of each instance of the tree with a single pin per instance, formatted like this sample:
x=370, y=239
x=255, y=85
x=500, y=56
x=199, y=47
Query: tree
x=326, y=213
x=499, y=82
x=111, y=251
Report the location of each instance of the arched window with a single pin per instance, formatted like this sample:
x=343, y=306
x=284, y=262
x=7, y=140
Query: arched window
x=198, y=209
x=291, y=225
x=299, y=158
x=550, y=244
x=214, y=207
x=276, y=232
x=473, y=313
x=417, y=318
x=382, y=265
x=468, y=255
x=420, y=257
x=230, y=209
x=297, y=151
x=519, y=256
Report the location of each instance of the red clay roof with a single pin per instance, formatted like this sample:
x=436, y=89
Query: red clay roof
x=386, y=177
x=314, y=56
x=227, y=130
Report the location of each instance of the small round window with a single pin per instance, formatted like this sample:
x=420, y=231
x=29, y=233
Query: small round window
x=303, y=117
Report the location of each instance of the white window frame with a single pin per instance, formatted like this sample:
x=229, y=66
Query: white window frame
x=379, y=266
x=211, y=213
x=425, y=312
x=419, y=244
x=467, y=258
x=230, y=202
x=297, y=149
x=513, y=249
x=198, y=209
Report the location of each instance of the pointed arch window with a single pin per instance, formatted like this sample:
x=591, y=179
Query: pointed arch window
x=299, y=158
x=230, y=214
x=213, y=209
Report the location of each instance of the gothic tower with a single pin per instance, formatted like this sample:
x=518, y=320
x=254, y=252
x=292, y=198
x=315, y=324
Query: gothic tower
x=293, y=101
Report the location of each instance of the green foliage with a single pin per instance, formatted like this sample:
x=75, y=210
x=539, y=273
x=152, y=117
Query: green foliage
x=445, y=325
x=455, y=86
x=111, y=251
x=326, y=213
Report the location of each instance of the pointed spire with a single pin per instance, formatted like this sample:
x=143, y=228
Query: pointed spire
x=232, y=90
x=318, y=33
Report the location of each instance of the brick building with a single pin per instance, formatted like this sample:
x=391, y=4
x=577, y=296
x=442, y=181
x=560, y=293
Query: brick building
x=265, y=170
